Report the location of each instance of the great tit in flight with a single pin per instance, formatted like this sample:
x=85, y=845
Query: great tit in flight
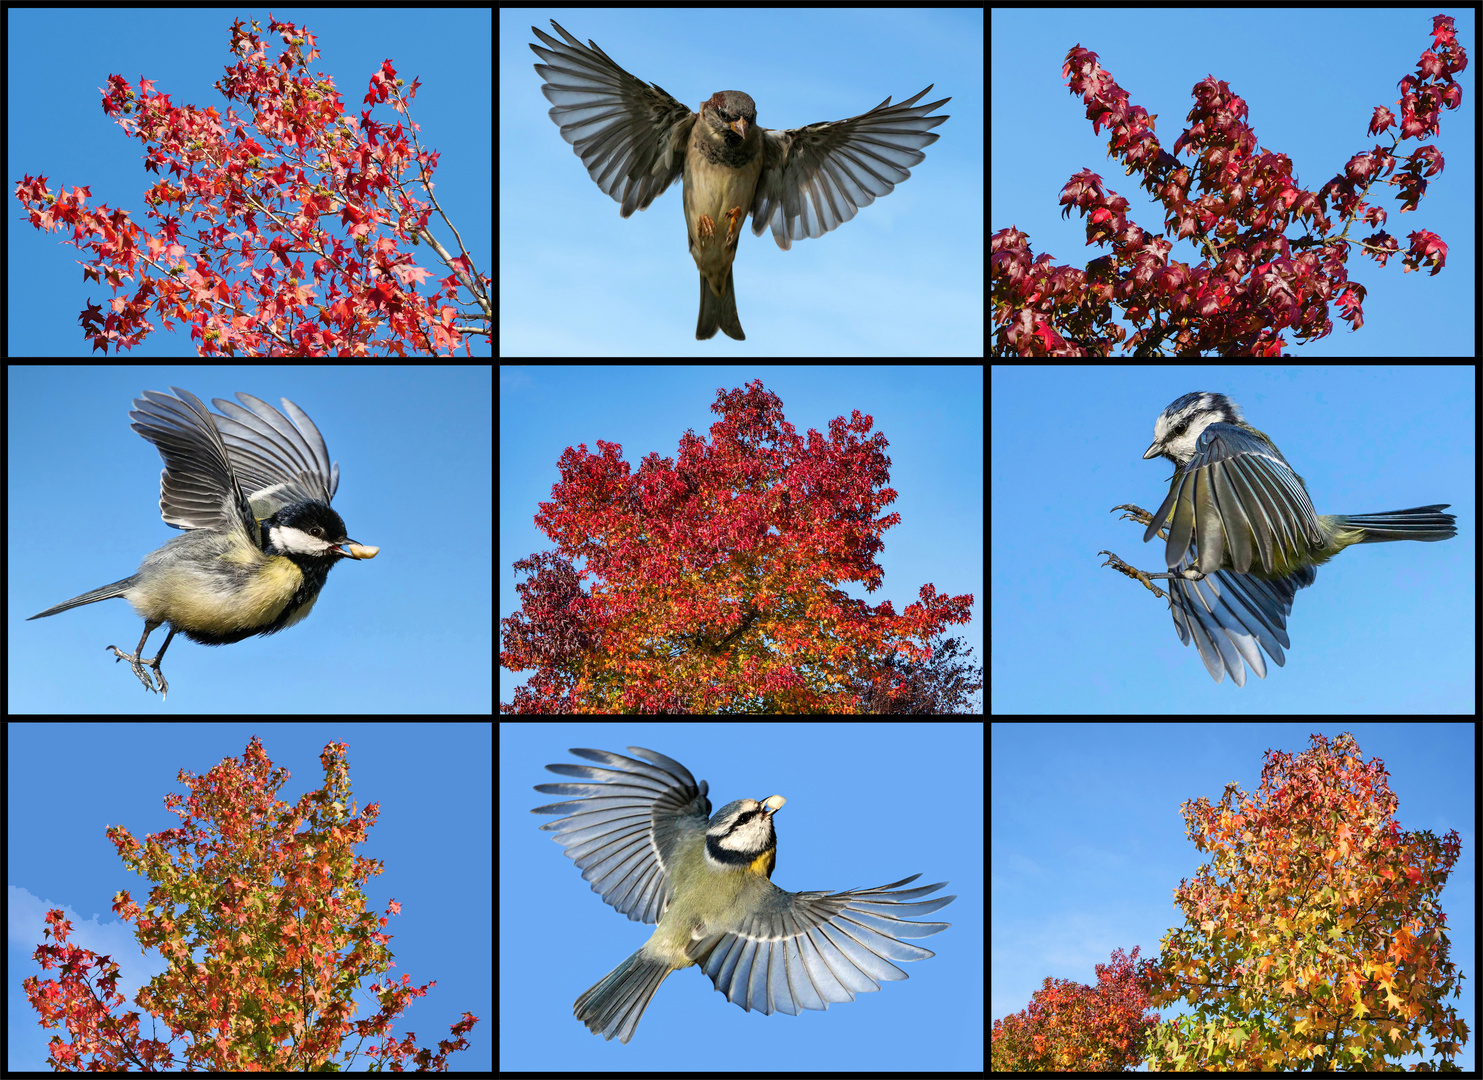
x=252, y=489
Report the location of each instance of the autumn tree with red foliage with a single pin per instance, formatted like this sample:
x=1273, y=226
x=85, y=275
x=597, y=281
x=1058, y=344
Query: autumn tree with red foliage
x=1314, y=939
x=939, y=686
x=283, y=922
x=314, y=294
x=1071, y=1027
x=1237, y=200
x=715, y=574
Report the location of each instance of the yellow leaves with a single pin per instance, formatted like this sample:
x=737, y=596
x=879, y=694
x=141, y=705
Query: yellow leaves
x=1402, y=1042
x=1359, y=1008
x=1392, y=1001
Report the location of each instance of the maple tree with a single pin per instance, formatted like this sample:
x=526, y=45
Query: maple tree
x=1070, y=1027
x=283, y=922
x=1314, y=938
x=1236, y=200
x=715, y=574
x=314, y=293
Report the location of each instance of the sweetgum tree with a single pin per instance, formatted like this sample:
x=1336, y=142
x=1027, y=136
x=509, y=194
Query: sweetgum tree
x=1314, y=938
x=1070, y=1027
x=714, y=575
x=265, y=930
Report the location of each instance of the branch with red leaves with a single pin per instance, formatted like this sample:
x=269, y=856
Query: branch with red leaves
x=313, y=293
x=1237, y=200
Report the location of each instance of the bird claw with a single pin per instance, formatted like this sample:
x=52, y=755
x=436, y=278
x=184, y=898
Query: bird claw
x=1136, y=513
x=1136, y=574
x=139, y=667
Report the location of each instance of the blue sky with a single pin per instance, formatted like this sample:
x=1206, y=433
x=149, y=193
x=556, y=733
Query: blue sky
x=432, y=781
x=68, y=139
x=932, y=777
x=903, y=277
x=408, y=631
x=933, y=418
x=1311, y=82
x=1386, y=627
x=1089, y=845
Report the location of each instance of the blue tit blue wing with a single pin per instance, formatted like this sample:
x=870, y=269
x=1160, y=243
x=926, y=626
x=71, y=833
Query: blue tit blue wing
x=805, y=950
x=625, y=830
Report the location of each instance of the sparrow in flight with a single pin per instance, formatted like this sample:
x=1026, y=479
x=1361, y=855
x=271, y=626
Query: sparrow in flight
x=636, y=140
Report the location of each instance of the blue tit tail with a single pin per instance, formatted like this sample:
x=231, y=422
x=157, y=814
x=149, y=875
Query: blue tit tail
x=615, y=1005
x=1418, y=523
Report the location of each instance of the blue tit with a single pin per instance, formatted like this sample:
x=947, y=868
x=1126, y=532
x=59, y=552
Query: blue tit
x=252, y=489
x=642, y=833
x=1241, y=535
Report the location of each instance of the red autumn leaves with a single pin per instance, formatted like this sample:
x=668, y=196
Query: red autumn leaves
x=226, y=200
x=1236, y=202
x=1070, y=1027
x=715, y=573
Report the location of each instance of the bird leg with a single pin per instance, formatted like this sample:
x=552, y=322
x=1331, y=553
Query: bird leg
x=1138, y=575
x=733, y=220
x=1142, y=517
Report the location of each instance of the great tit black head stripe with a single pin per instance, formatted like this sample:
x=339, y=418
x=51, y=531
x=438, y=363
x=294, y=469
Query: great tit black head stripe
x=642, y=832
x=252, y=489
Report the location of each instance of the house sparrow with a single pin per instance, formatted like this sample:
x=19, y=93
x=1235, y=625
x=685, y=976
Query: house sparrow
x=636, y=140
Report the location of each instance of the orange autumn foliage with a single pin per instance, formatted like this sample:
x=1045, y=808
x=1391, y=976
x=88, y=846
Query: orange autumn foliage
x=282, y=928
x=1338, y=958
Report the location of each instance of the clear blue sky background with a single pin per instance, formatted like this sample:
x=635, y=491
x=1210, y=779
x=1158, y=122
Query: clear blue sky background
x=408, y=631
x=1089, y=844
x=67, y=783
x=930, y=774
x=1386, y=627
x=58, y=130
x=933, y=418
x=903, y=277
x=1311, y=82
